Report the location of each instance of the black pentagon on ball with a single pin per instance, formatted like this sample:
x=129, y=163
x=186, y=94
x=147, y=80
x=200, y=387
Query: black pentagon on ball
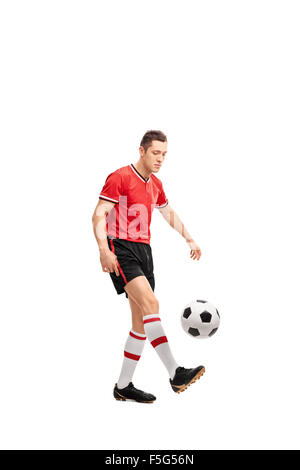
x=187, y=312
x=218, y=313
x=194, y=331
x=205, y=317
x=213, y=332
x=202, y=301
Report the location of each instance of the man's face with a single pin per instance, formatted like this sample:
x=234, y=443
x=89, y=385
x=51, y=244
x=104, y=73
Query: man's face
x=155, y=155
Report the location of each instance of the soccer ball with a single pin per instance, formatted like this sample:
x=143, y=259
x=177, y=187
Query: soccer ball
x=200, y=319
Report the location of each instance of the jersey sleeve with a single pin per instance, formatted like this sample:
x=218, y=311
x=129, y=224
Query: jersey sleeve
x=162, y=200
x=112, y=188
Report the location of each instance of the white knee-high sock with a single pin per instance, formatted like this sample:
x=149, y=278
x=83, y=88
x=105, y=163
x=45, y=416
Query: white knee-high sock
x=156, y=335
x=133, y=349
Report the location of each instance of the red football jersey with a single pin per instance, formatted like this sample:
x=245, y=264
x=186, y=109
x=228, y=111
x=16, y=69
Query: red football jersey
x=134, y=198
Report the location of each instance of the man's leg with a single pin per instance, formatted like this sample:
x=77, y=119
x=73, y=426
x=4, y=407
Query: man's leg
x=124, y=389
x=134, y=346
x=137, y=317
x=139, y=291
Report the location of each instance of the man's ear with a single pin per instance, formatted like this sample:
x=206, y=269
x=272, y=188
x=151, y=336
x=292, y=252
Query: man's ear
x=142, y=151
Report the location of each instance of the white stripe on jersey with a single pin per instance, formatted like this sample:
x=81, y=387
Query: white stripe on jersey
x=108, y=198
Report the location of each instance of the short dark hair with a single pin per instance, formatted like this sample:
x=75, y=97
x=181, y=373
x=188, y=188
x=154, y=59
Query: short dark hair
x=152, y=135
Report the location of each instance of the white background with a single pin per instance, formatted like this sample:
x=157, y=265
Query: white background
x=81, y=82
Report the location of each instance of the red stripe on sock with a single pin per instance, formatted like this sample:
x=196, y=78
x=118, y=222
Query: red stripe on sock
x=131, y=356
x=120, y=269
x=136, y=337
x=160, y=340
x=151, y=319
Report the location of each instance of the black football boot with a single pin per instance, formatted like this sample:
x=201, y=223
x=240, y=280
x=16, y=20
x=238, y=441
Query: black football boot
x=132, y=393
x=185, y=377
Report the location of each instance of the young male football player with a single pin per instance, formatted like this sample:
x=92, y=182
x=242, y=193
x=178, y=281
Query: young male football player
x=121, y=223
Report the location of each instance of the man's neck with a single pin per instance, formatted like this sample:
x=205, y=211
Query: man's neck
x=142, y=170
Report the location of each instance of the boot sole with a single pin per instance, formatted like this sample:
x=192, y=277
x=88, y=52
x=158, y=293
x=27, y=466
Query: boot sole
x=121, y=398
x=182, y=388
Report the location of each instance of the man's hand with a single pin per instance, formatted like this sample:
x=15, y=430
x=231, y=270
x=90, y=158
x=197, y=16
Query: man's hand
x=195, y=249
x=109, y=262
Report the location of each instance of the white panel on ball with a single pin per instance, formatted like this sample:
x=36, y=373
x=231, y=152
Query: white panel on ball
x=200, y=319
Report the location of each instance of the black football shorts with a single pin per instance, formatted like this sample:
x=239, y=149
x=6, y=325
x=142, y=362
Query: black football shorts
x=134, y=258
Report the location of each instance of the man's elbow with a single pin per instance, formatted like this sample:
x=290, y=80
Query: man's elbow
x=95, y=217
x=102, y=210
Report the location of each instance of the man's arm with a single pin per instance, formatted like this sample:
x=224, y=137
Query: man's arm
x=173, y=219
x=107, y=258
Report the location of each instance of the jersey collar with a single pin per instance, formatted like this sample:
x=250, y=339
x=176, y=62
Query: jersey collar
x=139, y=174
